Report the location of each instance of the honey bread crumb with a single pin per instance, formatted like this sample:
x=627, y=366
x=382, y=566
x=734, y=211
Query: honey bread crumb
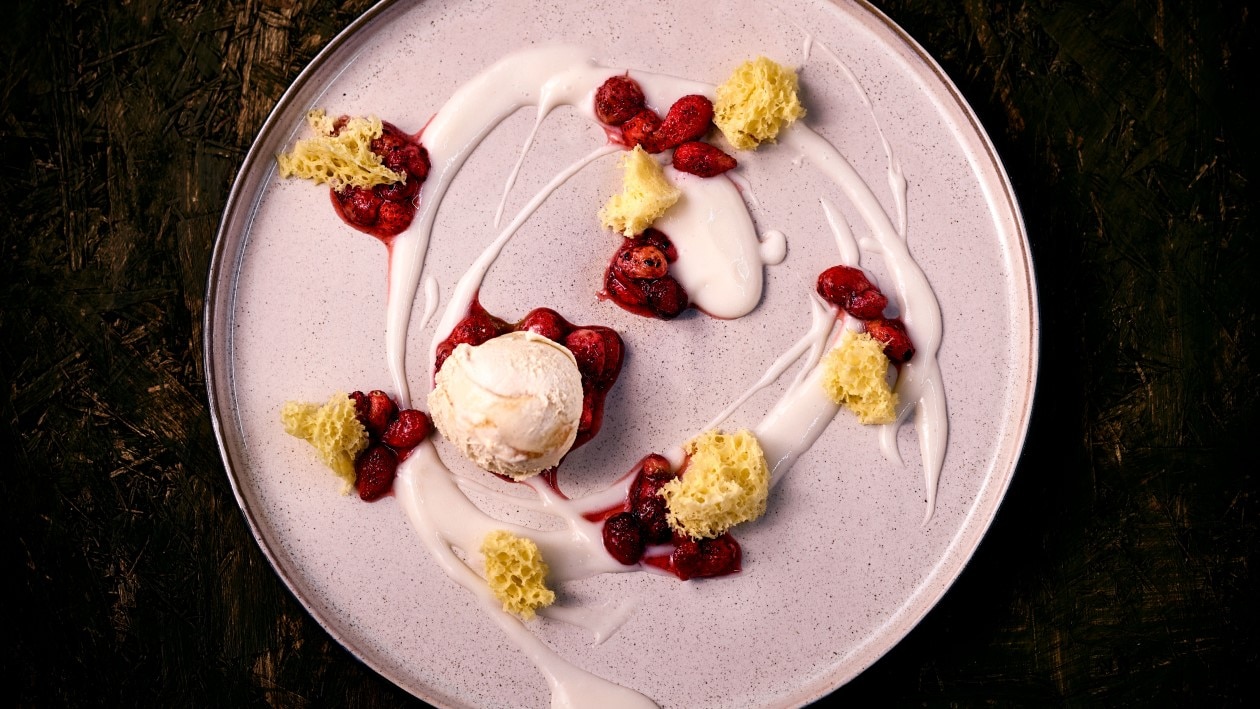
x=726, y=482
x=342, y=159
x=516, y=573
x=645, y=195
x=756, y=102
x=856, y=375
x=334, y=431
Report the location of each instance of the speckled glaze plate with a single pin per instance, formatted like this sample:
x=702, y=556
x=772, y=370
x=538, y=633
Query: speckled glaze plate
x=841, y=567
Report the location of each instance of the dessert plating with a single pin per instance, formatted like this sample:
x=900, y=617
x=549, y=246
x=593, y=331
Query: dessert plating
x=442, y=514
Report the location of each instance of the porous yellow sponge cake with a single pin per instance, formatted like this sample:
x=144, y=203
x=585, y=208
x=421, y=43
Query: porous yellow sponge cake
x=645, y=195
x=756, y=102
x=342, y=159
x=726, y=482
x=334, y=431
x=856, y=375
x=516, y=573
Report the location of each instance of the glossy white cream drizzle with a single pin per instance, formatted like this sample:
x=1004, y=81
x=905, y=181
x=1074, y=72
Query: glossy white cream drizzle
x=446, y=520
x=919, y=387
x=711, y=226
x=896, y=176
x=719, y=256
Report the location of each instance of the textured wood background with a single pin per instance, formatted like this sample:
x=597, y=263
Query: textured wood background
x=1119, y=571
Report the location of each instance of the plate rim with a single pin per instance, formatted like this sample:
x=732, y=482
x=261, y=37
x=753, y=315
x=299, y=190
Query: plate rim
x=220, y=297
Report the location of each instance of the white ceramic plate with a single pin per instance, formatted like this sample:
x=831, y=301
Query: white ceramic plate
x=840, y=568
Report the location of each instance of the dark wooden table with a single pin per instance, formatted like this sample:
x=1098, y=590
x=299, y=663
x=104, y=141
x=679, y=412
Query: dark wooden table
x=1119, y=571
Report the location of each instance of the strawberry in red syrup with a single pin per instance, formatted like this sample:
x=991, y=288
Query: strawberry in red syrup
x=642, y=520
x=385, y=210
x=392, y=434
x=623, y=538
x=849, y=288
x=702, y=159
x=705, y=558
x=476, y=327
x=374, y=471
x=893, y=336
x=618, y=100
x=638, y=280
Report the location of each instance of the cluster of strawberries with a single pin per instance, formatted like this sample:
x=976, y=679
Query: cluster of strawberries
x=597, y=349
x=619, y=102
x=627, y=534
x=638, y=277
x=385, y=210
x=849, y=288
x=392, y=434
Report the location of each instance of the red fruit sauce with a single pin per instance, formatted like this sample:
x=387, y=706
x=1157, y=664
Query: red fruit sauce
x=637, y=278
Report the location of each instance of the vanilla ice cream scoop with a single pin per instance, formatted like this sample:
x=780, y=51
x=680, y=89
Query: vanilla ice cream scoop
x=511, y=404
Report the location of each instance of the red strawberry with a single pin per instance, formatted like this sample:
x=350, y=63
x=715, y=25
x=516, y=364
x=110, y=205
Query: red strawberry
x=357, y=205
x=398, y=191
x=720, y=556
x=598, y=351
x=666, y=297
x=892, y=334
x=361, y=406
x=623, y=538
x=651, y=512
x=688, y=119
x=702, y=159
x=475, y=329
x=640, y=129
x=850, y=289
x=374, y=411
x=646, y=488
x=406, y=430
x=394, y=218
x=414, y=160
x=400, y=154
x=657, y=238
x=685, y=558
x=839, y=283
x=545, y=322
x=706, y=558
x=627, y=293
x=375, y=470
x=640, y=260
x=390, y=141
x=618, y=100
x=586, y=421
x=867, y=305
x=656, y=467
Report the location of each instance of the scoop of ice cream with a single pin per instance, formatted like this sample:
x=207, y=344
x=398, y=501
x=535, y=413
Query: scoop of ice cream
x=511, y=404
